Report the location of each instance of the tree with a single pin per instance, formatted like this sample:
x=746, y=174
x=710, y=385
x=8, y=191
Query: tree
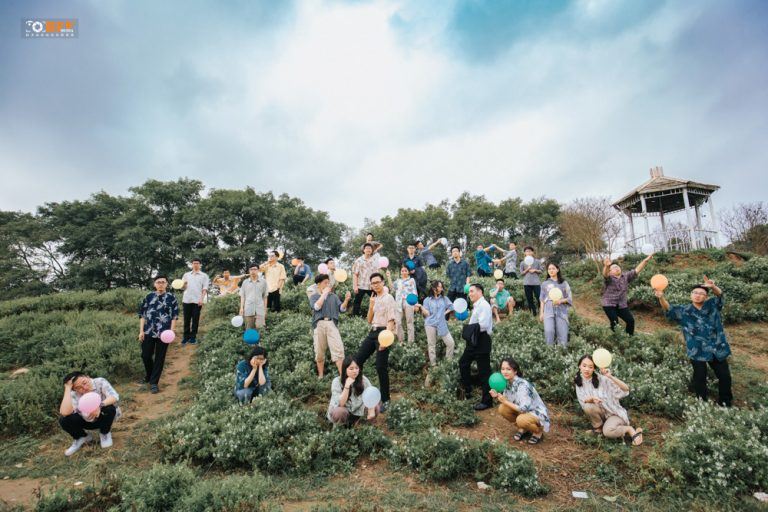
x=591, y=224
x=745, y=226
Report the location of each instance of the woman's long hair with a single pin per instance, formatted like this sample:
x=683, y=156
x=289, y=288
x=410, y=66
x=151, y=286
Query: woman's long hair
x=433, y=288
x=512, y=364
x=357, y=387
x=559, y=275
x=579, y=381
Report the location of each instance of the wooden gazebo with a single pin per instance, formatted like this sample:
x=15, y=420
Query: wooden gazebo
x=661, y=196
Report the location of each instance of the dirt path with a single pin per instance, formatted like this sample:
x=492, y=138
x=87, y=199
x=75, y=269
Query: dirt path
x=142, y=407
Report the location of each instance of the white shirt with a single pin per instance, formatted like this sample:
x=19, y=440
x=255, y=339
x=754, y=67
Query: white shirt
x=481, y=314
x=196, y=283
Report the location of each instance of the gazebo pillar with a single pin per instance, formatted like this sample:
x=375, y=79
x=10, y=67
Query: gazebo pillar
x=645, y=219
x=713, y=222
x=632, y=230
x=687, y=202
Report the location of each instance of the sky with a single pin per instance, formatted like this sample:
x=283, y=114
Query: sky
x=360, y=108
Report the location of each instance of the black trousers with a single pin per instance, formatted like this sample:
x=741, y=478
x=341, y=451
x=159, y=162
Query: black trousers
x=614, y=313
x=723, y=375
x=483, y=273
x=513, y=275
x=273, y=301
x=356, y=305
x=370, y=345
x=153, y=355
x=191, y=319
x=75, y=425
x=483, y=369
x=532, y=293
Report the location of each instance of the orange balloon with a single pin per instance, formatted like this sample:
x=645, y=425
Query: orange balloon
x=294, y=262
x=386, y=338
x=659, y=282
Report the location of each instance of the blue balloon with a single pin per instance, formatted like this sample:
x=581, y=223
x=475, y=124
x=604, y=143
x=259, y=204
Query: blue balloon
x=412, y=299
x=251, y=336
x=411, y=265
x=462, y=316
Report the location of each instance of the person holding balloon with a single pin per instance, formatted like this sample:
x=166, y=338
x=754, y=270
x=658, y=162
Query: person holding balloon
x=382, y=315
x=509, y=260
x=435, y=309
x=252, y=376
x=556, y=299
x=326, y=307
x=501, y=299
x=458, y=272
x=530, y=268
x=301, y=272
x=483, y=260
x=705, y=340
x=253, y=299
x=478, y=348
x=406, y=297
x=520, y=403
x=88, y=404
x=615, y=290
x=351, y=394
x=157, y=320
x=362, y=269
x=599, y=395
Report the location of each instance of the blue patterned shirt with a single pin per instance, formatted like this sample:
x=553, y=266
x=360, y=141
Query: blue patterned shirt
x=703, y=329
x=243, y=369
x=483, y=261
x=522, y=393
x=457, y=275
x=158, y=311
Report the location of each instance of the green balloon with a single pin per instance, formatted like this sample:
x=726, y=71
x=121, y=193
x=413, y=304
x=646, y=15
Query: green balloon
x=497, y=382
x=466, y=288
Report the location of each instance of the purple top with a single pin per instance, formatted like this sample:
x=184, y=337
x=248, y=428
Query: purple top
x=615, y=291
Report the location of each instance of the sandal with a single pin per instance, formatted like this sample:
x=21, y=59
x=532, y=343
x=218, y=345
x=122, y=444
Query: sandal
x=536, y=439
x=596, y=430
x=518, y=436
x=638, y=433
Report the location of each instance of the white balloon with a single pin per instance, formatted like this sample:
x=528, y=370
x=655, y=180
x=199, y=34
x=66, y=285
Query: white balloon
x=371, y=397
x=460, y=305
x=647, y=249
x=528, y=260
x=237, y=321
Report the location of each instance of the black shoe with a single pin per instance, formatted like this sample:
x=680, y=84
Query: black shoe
x=383, y=407
x=142, y=382
x=154, y=389
x=192, y=341
x=480, y=406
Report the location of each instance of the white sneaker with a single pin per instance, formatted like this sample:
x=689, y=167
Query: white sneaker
x=77, y=444
x=106, y=439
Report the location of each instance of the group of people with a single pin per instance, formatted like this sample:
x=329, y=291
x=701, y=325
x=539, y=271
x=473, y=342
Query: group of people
x=598, y=392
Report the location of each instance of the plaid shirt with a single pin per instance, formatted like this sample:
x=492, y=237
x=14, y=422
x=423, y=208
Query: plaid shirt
x=615, y=291
x=457, y=275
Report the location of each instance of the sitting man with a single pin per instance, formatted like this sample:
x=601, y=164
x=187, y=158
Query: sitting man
x=252, y=376
x=77, y=384
x=501, y=300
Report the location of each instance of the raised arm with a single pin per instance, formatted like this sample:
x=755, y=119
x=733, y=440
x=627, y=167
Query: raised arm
x=662, y=300
x=67, y=407
x=708, y=283
x=606, y=266
x=434, y=244
x=640, y=266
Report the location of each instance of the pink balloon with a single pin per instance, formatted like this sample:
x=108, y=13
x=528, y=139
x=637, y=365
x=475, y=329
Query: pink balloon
x=383, y=262
x=322, y=268
x=89, y=402
x=167, y=336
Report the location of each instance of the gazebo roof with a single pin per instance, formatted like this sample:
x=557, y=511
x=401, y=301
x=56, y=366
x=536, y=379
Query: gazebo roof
x=664, y=194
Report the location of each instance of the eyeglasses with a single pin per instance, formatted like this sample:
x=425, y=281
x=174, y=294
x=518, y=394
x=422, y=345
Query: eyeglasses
x=377, y=282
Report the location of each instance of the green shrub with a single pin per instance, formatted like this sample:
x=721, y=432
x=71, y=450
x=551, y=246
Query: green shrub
x=227, y=494
x=404, y=416
x=123, y=300
x=159, y=488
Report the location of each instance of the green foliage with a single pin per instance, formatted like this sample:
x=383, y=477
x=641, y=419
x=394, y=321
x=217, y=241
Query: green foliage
x=159, y=488
x=122, y=300
x=718, y=452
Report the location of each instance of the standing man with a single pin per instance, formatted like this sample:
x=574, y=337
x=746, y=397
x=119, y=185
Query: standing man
x=274, y=273
x=253, y=298
x=426, y=253
x=531, y=280
x=481, y=350
x=362, y=269
x=458, y=272
x=196, y=285
x=381, y=315
x=302, y=272
x=483, y=260
x=158, y=312
x=227, y=283
x=416, y=269
x=705, y=338
x=510, y=261
x=326, y=307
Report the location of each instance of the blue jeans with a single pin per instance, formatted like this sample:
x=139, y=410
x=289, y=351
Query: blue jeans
x=245, y=395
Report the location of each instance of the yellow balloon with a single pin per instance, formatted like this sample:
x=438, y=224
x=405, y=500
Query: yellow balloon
x=555, y=293
x=386, y=338
x=177, y=284
x=340, y=275
x=602, y=358
x=498, y=274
